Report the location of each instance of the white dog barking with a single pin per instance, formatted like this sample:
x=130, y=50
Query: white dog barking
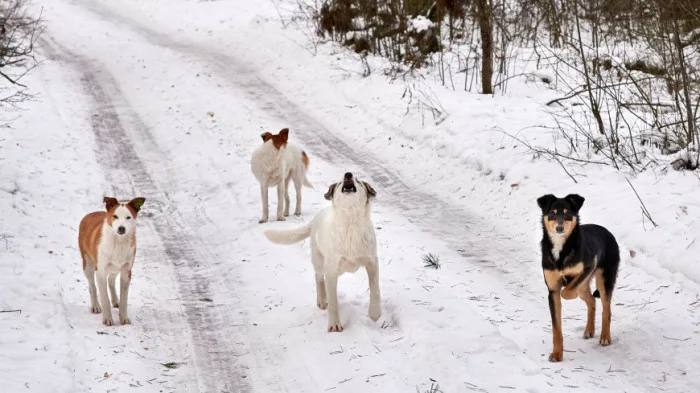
x=342, y=240
x=275, y=163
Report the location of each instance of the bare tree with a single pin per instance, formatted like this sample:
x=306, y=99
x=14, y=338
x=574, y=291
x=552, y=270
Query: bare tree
x=19, y=31
x=484, y=16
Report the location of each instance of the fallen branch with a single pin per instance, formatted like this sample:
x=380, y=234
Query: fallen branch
x=645, y=211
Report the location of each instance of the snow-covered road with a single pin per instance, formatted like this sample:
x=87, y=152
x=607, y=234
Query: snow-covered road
x=145, y=112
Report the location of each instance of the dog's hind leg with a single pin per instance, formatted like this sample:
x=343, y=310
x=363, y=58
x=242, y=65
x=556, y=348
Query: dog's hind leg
x=286, y=195
x=584, y=292
x=298, y=182
x=332, y=292
x=375, y=307
x=280, y=200
x=605, y=296
x=89, y=271
x=263, y=196
x=113, y=291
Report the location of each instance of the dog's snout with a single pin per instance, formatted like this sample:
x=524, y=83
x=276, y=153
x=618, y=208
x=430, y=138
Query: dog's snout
x=560, y=229
x=121, y=230
x=348, y=183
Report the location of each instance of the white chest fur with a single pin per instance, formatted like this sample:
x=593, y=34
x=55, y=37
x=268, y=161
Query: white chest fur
x=115, y=252
x=557, y=244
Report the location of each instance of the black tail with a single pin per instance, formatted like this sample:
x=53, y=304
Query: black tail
x=596, y=294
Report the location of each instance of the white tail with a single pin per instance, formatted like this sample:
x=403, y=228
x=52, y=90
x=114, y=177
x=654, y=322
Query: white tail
x=288, y=236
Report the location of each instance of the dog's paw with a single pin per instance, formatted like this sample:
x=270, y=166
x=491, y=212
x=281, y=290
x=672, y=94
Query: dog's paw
x=335, y=327
x=322, y=304
x=108, y=321
x=281, y=218
x=124, y=320
x=95, y=309
x=298, y=214
x=262, y=220
x=605, y=340
x=556, y=356
x=588, y=334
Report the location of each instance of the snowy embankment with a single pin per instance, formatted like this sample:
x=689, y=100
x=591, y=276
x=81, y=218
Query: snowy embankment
x=186, y=87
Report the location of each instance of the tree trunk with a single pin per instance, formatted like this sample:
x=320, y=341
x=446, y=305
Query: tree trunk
x=686, y=84
x=484, y=16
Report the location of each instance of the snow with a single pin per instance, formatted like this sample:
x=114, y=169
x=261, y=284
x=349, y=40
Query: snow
x=420, y=23
x=166, y=99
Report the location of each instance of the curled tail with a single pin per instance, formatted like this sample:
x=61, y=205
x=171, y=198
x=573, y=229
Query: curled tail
x=288, y=236
x=305, y=160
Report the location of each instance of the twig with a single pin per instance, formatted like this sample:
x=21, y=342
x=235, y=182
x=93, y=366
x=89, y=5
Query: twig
x=644, y=208
x=18, y=310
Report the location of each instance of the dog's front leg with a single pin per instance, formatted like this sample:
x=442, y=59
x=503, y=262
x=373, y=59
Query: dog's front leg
x=332, y=293
x=553, y=280
x=280, y=201
x=124, y=281
x=113, y=291
x=375, y=303
x=557, y=337
x=263, y=196
x=104, y=297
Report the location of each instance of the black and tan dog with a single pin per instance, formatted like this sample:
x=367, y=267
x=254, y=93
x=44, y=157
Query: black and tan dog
x=572, y=255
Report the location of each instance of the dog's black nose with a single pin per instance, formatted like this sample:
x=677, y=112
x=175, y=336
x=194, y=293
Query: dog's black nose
x=348, y=176
x=560, y=229
x=121, y=230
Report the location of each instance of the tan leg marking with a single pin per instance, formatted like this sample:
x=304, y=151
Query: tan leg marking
x=605, y=338
x=584, y=292
x=557, y=337
x=553, y=280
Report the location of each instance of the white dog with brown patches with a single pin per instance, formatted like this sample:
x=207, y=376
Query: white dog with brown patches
x=107, y=241
x=276, y=163
x=342, y=240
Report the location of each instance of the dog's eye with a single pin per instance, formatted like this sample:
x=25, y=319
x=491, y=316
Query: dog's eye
x=115, y=217
x=552, y=215
x=128, y=217
x=568, y=217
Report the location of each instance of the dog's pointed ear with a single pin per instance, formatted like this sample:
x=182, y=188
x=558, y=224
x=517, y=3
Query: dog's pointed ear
x=331, y=190
x=371, y=193
x=284, y=135
x=136, y=203
x=545, y=201
x=266, y=136
x=576, y=200
x=110, y=202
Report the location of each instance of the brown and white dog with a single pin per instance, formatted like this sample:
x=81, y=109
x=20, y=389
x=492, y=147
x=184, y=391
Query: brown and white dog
x=275, y=163
x=107, y=241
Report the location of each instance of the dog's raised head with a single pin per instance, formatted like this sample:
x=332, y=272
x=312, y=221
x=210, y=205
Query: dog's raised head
x=350, y=193
x=121, y=217
x=560, y=215
x=278, y=140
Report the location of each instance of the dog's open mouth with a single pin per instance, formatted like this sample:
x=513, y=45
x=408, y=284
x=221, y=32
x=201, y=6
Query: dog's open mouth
x=349, y=187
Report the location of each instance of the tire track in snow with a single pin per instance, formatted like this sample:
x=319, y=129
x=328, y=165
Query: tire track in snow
x=214, y=355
